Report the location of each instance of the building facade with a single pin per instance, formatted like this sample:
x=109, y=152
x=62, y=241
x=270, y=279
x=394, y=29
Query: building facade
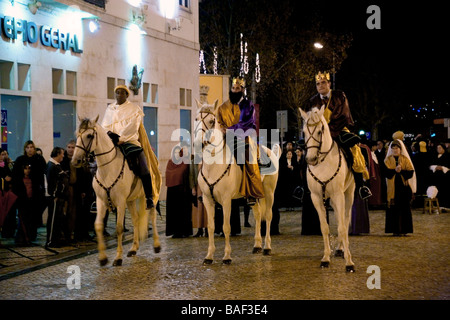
x=60, y=60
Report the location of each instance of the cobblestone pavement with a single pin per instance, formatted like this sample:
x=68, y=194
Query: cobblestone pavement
x=415, y=267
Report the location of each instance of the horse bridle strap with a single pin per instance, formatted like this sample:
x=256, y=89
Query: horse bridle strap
x=87, y=149
x=311, y=136
x=108, y=190
x=324, y=183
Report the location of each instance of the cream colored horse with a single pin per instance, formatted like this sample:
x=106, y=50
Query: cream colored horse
x=328, y=177
x=220, y=179
x=115, y=185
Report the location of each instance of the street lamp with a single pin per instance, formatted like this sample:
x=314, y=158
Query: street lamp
x=319, y=46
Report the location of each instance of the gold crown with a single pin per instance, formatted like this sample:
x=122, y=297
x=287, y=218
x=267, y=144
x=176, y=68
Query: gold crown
x=322, y=76
x=239, y=81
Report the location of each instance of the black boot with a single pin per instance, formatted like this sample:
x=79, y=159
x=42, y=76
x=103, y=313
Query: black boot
x=147, y=183
x=363, y=191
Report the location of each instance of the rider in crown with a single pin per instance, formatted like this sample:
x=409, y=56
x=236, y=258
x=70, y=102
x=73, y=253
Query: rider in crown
x=239, y=113
x=339, y=119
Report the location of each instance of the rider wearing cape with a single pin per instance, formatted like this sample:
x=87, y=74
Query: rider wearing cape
x=338, y=116
x=239, y=113
x=123, y=121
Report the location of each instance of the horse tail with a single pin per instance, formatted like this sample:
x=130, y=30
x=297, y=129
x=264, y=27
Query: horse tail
x=142, y=219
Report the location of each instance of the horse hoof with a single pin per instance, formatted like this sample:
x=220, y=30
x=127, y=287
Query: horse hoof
x=339, y=253
x=324, y=264
x=267, y=252
x=157, y=249
x=256, y=250
x=227, y=261
x=207, y=261
x=117, y=263
x=350, y=269
x=103, y=262
x=131, y=253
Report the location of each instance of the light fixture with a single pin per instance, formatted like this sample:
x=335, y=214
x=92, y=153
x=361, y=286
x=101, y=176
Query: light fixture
x=34, y=5
x=93, y=25
x=138, y=19
x=318, y=45
x=12, y=2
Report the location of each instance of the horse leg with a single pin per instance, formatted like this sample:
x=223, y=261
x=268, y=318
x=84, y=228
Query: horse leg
x=119, y=230
x=324, y=228
x=267, y=208
x=156, y=243
x=99, y=227
x=226, y=231
x=257, y=247
x=210, y=211
x=134, y=218
x=349, y=265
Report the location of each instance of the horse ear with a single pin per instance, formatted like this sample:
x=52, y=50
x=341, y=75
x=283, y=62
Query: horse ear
x=199, y=105
x=215, y=104
x=322, y=110
x=96, y=119
x=79, y=118
x=303, y=113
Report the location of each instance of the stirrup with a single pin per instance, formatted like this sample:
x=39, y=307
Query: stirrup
x=251, y=201
x=93, y=208
x=364, y=192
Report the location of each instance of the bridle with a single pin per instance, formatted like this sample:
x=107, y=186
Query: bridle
x=87, y=148
x=320, y=153
x=315, y=125
x=205, y=144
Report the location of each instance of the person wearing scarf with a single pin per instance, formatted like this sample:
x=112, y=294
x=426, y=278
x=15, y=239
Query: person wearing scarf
x=400, y=187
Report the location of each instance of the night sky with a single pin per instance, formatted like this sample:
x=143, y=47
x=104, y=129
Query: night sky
x=409, y=52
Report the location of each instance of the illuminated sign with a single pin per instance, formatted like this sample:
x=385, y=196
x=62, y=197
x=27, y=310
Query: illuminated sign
x=50, y=37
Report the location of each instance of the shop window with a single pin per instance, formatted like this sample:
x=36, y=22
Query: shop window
x=185, y=97
x=57, y=81
x=6, y=75
x=16, y=125
x=185, y=123
x=64, y=122
x=24, y=76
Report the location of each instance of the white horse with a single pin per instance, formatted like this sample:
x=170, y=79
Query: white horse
x=220, y=181
x=328, y=177
x=115, y=185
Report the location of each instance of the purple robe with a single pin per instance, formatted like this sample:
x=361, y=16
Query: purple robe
x=247, y=118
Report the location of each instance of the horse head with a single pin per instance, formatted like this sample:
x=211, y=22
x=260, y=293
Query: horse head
x=317, y=134
x=86, y=141
x=205, y=122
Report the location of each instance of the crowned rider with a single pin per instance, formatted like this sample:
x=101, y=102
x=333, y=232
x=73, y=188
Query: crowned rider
x=339, y=119
x=122, y=120
x=239, y=113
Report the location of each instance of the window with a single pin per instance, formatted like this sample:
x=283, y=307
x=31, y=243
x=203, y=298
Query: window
x=150, y=93
x=57, y=81
x=185, y=97
x=184, y=3
x=151, y=126
x=185, y=122
x=6, y=75
x=64, y=122
x=71, y=83
x=111, y=84
x=16, y=125
x=23, y=72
